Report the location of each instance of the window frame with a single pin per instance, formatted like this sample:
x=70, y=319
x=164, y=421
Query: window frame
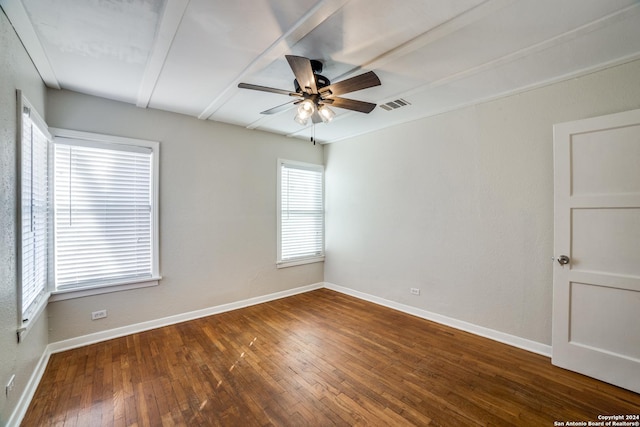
x=27, y=316
x=280, y=263
x=89, y=138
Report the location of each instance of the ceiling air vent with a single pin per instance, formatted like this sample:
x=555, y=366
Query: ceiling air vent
x=392, y=105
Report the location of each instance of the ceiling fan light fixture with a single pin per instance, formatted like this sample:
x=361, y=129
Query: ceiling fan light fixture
x=301, y=120
x=326, y=113
x=306, y=109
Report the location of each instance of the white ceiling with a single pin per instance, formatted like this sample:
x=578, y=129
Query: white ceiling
x=188, y=56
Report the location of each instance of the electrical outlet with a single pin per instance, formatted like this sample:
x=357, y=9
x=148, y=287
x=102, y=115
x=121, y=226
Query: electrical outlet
x=10, y=385
x=100, y=314
x=415, y=291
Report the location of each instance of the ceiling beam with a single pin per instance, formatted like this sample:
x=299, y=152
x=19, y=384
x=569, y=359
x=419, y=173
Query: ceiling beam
x=530, y=50
x=165, y=34
x=575, y=33
x=458, y=22
x=20, y=20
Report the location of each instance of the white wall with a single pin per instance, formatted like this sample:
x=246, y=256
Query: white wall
x=16, y=72
x=460, y=205
x=217, y=214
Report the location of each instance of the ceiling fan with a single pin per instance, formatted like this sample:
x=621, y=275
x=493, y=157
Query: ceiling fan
x=315, y=93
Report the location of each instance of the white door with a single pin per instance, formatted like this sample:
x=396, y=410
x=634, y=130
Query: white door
x=596, y=294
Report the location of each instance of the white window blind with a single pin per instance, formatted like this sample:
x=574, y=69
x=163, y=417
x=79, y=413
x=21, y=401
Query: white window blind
x=103, y=213
x=301, y=213
x=34, y=202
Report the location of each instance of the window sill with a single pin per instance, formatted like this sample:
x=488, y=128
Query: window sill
x=65, y=294
x=299, y=261
x=32, y=317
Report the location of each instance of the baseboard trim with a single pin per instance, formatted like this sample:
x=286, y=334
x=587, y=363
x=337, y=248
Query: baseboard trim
x=32, y=385
x=512, y=340
x=81, y=341
x=502, y=337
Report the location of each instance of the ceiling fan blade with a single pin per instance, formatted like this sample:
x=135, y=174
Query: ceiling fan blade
x=279, y=108
x=267, y=89
x=351, y=104
x=301, y=68
x=362, y=81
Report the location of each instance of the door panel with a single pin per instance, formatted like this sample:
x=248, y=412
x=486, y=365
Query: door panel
x=596, y=296
x=589, y=304
x=606, y=240
x=595, y=154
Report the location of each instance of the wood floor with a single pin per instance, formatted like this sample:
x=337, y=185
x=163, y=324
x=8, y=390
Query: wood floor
x=316, y=359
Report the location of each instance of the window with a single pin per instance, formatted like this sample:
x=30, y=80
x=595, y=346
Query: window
x=88, y=214
x=105, y=211
x=300, y=213
x=33, y=208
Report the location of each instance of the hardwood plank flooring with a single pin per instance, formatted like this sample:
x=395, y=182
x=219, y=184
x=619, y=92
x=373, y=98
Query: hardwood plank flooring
x=317, y=359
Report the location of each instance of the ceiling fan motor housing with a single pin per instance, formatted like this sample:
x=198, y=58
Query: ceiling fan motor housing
x=321, y=81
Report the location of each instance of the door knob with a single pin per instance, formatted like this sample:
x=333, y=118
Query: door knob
x=563, y=260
